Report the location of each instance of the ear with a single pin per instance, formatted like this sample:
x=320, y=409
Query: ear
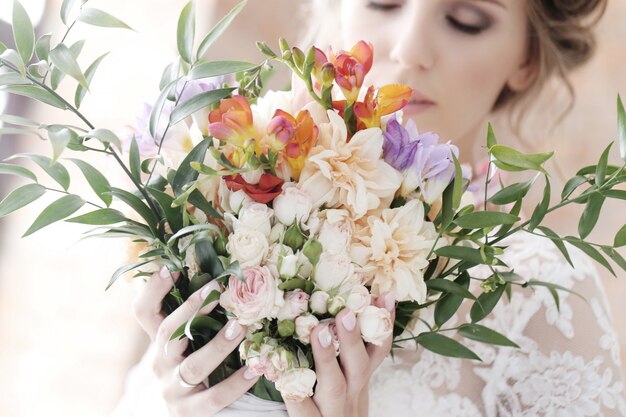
x=523, y=77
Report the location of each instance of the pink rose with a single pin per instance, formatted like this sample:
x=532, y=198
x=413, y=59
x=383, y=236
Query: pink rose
x=296, y=384
x=296, y=303
x=376, y=324
x=255, y=298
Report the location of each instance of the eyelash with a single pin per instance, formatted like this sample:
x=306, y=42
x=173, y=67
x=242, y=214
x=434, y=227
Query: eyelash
x=470, y=30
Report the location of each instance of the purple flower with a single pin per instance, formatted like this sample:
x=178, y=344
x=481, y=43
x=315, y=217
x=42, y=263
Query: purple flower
x=434, y=166
x=398, y=148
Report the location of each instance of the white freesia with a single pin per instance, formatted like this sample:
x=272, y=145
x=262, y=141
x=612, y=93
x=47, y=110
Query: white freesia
x=296, y=384
x=292, y=205
x=375, y=324
x=247, y=246
x=351, y=174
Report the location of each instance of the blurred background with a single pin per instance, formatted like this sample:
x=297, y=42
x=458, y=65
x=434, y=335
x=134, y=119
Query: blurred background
x=65, y=343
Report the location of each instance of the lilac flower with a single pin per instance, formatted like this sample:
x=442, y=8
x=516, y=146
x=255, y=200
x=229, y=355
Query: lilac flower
x=398, y=148
x=434, y=166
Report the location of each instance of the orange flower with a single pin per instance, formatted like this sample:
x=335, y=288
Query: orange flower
x=351, y=68
x=388, y=99
x=232, y=122
x=294, y=136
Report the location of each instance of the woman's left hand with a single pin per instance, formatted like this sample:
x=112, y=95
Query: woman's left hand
x=342, y=388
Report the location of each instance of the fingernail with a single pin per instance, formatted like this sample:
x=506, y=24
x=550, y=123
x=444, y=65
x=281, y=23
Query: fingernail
x=349, y=320
x=325, y=337
x=232, y=330
x=165, y=348
x=211, y=286
x=390, y=301
x=248, y=374
x=164, y=273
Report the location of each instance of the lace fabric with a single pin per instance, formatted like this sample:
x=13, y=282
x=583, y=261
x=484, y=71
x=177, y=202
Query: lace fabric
x=568, y=363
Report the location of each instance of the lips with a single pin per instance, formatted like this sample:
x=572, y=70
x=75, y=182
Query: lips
x=419, y=98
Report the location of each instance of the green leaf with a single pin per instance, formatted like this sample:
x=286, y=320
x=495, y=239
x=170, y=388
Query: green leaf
x=512, y=192
x=121, y=271
x=60, y=209
x=16, y=131
x=89, y=74
x=60, y=137
x=444, y=285
x=20, y=197
x=62, y=57
x=185, y=173
x=558, y=242
x=170, y=73
x=56, y=171
x=23, y=32
x=136, y=204
x=621, y=128
x=17, y=170
x=174, y=216
x=602, y=165
x=200, y=324
x=97, y=17
x=571, y=185
x=542, y=208
x=134, y=160
x=18, y=121
x=215, y=68
x=207, y=257
x=12, y=57
x=445, y=346
x=36, y=93
x=155, y=115
x=186, y=32
x=100, y=217
x=485, y=335
x=12, y=78
x=591, y=252
x=99, y=184
x=483, y=219
x=66, y=9
x=198, y=102
x=615, y=256
x=486, y=303
x=457, y=185
x=218, y=29
x=617, y=194
x=620, y=238
x=191, y=229
x=447, y=210
x=448, y=305
x=514, y=158
x=552, y=287
x=199, y=201
x=105, y=136
x=471, y=255
x=590, y=215
x=491, y=137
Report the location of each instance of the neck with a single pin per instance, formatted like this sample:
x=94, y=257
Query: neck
x=472, y=145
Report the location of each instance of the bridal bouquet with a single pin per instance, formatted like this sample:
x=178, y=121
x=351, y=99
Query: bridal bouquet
x=299, y=203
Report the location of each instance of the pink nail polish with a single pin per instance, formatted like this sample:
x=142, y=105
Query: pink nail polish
x=349, y=320
x=233, y=330
x=249, y=375
x=325, y=337
x=164, y=272
x=390, y=301
x=211, y=286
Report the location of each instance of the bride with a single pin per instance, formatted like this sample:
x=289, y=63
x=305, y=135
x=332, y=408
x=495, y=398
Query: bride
x=467, y=61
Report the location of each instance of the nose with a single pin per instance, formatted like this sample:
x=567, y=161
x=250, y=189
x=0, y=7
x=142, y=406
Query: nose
x=415, y=41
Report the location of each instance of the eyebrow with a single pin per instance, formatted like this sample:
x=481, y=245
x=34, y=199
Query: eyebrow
x=496, y=2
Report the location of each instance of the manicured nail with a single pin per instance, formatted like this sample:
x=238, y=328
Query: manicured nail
x=232, y=330
x=325, y=337
x=349, y=320
x=165, y=273
x=165, y=348
x=249, y=375
x=390, y=301
x=211, y=286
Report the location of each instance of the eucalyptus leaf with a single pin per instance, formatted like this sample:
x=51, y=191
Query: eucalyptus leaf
x=445, y=346
x=444, y=285
x=486, y=303
x=514, y=158
x=591, y=252
x=571, y=185
x=485, y=335
x=170, y=73
x=64, y=60
x=448, y=305
x=124, y=269
x=602, y=165
x=20, y=197
x=17, y=170
x=621, y=128
x=198, y=102
x=591, y=214
x=471, y=255
x=541, y=209
x=620, y=237
x=483, y=219
x=58, y=210
x=36, y=93
x=186, y=32
x=218, y=29
x=89, y=74
x=558, y=242
x=136, y=204
x=216, y=68
x=56, y=171
x=98, y=182
x=615, y=256
x=100, y=217
x=97, y=17
x=173, y=215
x=23, y=32
x=207, y=257
x=12, y=57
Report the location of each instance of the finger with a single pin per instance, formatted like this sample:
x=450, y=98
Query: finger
x=378, y=353
x=147, y=304
x=330, y=393
x=304, y=408
x=223, y=394
x=354, y=357
x=197, y=366
x=172, y=350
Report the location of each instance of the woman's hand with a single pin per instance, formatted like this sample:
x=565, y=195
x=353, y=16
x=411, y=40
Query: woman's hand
x=341, y=389
x=181, y=377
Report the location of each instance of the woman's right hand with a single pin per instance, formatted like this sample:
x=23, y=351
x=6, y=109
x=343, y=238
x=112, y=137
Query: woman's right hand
x=189, y=397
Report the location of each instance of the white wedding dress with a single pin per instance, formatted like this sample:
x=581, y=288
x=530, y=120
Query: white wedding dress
x=568, y=364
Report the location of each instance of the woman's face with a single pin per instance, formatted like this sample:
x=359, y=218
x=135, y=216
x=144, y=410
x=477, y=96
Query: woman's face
x=458, y=54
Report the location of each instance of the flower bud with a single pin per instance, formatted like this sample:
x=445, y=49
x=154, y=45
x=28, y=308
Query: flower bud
x=288, y=266
x=294, y=238
x=336, y=304
x=286, y=328
x=328, y=74
x=319, y=302
x=284, y=46
x=304, y=326
x=312, y=249
x=298, y=57
x=220, y=245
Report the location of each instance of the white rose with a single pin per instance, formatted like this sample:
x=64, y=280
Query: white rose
x=296, y=384
x=296, y=303
x=247, y=246
x=332, y=270
x=289, y=266
x=335, y=237
x=277, y=232
x=292, y=205
x=275, y=253
x=305, y=324
x=319, y=302
x=252, y=177
x=359, y=298
x=304, y=265
x=376, y=325
x=255, y=216
x=236, y=200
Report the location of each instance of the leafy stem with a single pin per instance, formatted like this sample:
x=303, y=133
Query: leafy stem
x=66, y=193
